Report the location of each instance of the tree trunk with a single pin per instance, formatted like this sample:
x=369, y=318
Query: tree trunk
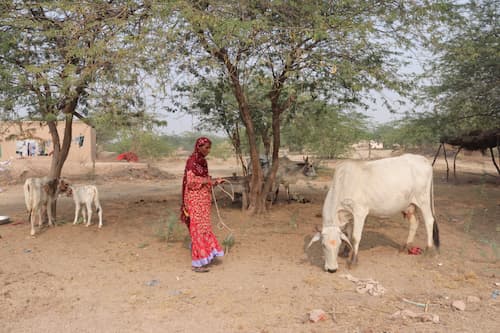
x=256, y=204
x=60, y=152
x=236, y=142
x=266, y=141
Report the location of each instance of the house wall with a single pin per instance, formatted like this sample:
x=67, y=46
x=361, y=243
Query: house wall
x=33, y=140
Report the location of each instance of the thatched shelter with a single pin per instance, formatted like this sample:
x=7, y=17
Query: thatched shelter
x=474, y=140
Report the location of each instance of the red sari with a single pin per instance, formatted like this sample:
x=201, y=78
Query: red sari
x=195, y=210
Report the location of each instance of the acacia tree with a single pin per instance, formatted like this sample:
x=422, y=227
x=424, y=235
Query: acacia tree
x=335, y=50
x=465, y=77
x=214, y=104
x=55, y=57
x=324, y=130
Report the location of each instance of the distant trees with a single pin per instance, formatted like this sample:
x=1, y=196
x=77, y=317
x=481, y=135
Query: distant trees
x=414, y=132
x=324, y=130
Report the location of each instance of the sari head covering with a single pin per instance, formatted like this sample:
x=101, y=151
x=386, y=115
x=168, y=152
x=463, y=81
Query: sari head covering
x=197, y=164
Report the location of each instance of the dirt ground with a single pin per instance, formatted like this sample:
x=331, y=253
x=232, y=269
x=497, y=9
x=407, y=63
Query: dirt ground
x=134, y=274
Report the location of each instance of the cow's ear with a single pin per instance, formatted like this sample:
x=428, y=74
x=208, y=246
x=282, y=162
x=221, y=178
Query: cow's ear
x=315, y=238
x=346, y=239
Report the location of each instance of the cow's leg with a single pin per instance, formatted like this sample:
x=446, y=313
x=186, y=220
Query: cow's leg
x=88, y=204
x=84, y=214
x=410, y=215
x=276, y=194
x=39, y=213
x=430, y=228
x=77, y=211
x=359, y=222
x=287, y=193
x=99, y=212
x=49, y=212
x=32, y=221
x=344, y=247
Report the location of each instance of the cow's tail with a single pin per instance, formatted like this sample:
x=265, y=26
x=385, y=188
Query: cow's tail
x=96, y=200
x=435, y=229
x=27, y=199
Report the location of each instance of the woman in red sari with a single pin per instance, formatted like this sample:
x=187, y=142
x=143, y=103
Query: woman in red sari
x=196, y=204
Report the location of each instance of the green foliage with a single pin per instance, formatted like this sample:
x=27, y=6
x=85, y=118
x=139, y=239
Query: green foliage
x=323, y=130
x=222, y=149
x=272, y=53
x=268, y=54
x=169, y=229
x=186, y=140
x=228, y=242
x=147, y=145
x=465, y=92
x=56, y=56
x=60, y=59
x=411, y=132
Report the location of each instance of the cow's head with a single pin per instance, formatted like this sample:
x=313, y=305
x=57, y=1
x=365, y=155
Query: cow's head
x=56, y=186
x=307, y=168
x=331, y=237
x=63, y=185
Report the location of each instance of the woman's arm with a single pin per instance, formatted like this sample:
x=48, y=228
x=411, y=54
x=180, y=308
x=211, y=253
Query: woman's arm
x=195, y=182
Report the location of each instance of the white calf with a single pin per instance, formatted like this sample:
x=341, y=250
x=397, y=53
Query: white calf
x=85, y=194
x=39, y=194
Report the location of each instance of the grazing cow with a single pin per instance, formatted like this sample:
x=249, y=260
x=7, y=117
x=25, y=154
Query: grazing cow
x=39, y=194
x=378, y=188
x=85, y=194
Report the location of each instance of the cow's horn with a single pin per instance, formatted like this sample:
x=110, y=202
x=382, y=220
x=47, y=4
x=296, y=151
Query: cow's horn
x=315, y=238
x=346, y=239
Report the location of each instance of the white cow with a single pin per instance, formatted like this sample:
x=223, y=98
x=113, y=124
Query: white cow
x=85, y=194
x=39, y=194
x=378, y=188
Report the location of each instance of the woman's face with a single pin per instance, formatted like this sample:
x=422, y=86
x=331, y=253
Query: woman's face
x=205, y=149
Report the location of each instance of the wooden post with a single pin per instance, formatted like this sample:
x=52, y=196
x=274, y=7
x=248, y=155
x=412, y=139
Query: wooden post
x=454, y=162
x=437, y=153
x=493, y=158
x=446, y=160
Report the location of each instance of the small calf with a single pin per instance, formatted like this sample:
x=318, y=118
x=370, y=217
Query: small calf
x=85, y=194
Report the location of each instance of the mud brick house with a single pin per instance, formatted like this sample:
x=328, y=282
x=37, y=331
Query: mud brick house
x=31, y=139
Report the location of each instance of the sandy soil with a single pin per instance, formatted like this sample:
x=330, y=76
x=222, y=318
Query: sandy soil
x=134, y=275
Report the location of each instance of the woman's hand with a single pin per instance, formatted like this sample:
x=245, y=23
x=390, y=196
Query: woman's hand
x=218, y=181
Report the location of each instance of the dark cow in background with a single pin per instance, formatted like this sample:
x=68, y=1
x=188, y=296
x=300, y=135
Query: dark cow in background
x=377, y=188
x=289, y=172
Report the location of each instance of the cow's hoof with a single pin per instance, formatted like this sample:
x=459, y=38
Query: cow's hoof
x=404, y=248
x=430, y=252
x=351, y=263
x=331, y=270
